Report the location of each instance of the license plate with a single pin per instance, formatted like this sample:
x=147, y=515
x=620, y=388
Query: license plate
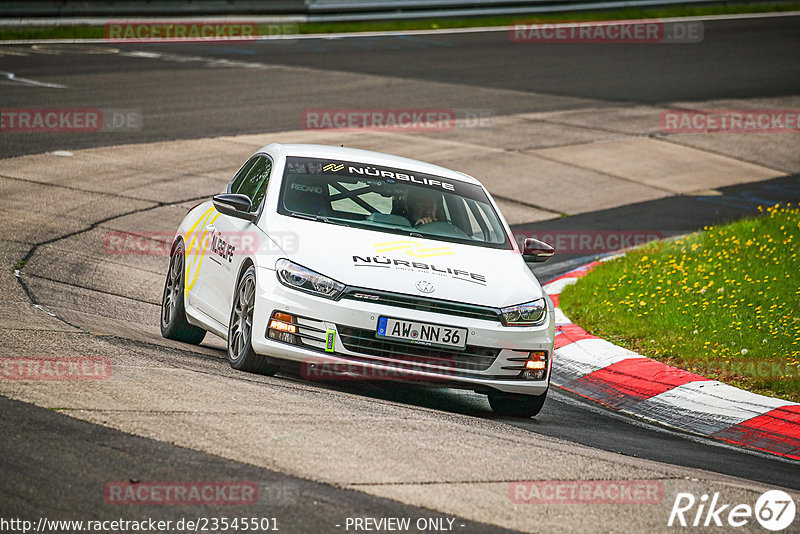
x=422, y=333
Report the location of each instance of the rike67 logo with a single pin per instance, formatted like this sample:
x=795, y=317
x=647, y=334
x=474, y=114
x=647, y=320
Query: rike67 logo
x=774, y=510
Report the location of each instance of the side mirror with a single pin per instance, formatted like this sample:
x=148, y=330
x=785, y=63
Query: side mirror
x=536, y=251
x=234, y=205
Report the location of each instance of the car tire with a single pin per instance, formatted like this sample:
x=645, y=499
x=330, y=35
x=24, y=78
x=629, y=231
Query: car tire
x=173, y=313
x=241, y=355
x=516, y=405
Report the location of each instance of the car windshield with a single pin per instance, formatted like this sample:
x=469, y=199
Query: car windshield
x=390, y=200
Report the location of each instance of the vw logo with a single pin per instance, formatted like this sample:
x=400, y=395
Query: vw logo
x=425, y=287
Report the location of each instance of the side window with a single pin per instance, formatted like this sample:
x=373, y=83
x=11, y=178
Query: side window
x=252, y=180
x=236, y=183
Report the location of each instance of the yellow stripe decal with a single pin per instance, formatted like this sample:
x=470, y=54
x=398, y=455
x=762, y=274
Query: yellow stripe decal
x=196, y=246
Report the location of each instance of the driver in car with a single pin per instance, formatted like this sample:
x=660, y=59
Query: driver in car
x=421, y=206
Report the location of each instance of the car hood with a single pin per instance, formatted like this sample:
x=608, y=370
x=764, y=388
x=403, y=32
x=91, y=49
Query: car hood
x=413, y=266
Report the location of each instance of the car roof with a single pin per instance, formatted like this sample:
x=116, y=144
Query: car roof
x=364, y=156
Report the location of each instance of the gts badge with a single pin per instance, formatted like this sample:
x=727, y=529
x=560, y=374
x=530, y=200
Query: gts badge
x=222, y=248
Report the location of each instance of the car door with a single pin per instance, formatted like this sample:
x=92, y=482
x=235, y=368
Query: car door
x=232, y=239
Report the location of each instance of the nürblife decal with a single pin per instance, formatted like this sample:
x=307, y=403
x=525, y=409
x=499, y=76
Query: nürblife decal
x=316, y=166
x=435, y=269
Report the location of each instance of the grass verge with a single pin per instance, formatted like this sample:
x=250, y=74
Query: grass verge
x=723, y=303
x=96, y=32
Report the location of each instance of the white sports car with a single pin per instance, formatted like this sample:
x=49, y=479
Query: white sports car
x=360, y=264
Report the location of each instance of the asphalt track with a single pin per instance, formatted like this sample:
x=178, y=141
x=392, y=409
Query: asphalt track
x=179, y=101
x=737, y=59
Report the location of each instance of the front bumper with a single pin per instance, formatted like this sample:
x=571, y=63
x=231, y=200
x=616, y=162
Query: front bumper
x=493, y=358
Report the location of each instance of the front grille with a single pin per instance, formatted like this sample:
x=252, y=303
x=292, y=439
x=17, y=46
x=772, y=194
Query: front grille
x=364, y=341
x=460, y=309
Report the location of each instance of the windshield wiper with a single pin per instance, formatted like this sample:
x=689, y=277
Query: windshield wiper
x=320, y=218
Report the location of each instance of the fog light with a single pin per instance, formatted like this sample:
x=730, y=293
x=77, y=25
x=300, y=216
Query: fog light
x=536, y=365
x=282, y=327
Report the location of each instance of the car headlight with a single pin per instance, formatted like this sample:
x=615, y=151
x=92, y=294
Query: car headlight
x=529, y=314
x=298, y=277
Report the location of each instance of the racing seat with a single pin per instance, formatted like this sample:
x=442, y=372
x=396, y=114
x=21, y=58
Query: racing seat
x=307, y=194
